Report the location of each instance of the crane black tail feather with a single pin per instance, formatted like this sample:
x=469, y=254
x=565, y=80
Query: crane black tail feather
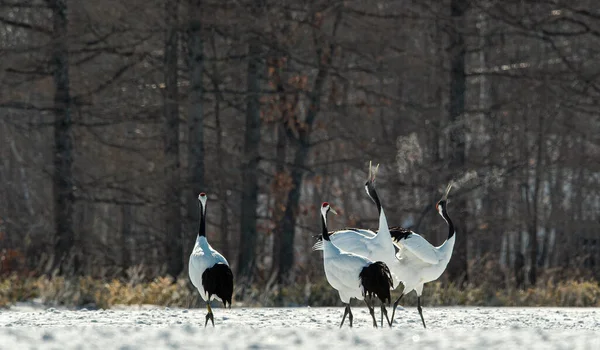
x=376, y=280
x=218, y=280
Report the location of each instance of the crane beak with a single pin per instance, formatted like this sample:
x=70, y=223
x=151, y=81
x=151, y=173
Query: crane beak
x=333, y=210
x=372, y=172
x=445, y=197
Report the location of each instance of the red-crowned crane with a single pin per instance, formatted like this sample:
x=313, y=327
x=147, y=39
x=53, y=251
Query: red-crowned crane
x=208, y=270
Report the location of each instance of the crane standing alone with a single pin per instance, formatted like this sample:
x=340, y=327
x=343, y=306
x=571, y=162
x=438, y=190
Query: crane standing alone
x=208, y=270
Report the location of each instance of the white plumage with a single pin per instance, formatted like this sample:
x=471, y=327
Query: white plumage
x=208, y=270
x=352, y=275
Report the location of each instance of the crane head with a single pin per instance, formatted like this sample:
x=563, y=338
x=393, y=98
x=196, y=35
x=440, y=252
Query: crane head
x=325, y=208
x=202, y=198
x=442, y=202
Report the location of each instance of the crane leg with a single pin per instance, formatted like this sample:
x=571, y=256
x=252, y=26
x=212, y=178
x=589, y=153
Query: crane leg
x=350, y=317
x=209, y=315
x=420, y=310
x=395, y=306
x=372, y=312
x=384, y=312
x=348, y=312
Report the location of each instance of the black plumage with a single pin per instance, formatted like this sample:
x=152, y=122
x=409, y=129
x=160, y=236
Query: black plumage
x=218, y=280
x=399, y=233
x=376, y=280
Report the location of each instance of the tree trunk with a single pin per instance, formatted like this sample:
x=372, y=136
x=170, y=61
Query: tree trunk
x=457, y=268
x=174, y=248
x=279, y=209
x=287, y=225
x=519, y=270
x=63, y=142
x=224, y=225
x=126, y=237
x=551, y=222
x=288, y=222
x=248, y=220
x=533, y=241
x=195, y=118
x=224, y=210
x=286, y=112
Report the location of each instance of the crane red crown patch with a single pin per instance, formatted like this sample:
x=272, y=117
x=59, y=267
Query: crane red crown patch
x=202, y=194
x=325, y=204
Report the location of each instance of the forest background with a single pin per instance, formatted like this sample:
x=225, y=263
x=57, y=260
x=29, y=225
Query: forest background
x=114, y=115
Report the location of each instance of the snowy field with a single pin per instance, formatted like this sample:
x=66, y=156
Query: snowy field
x=26, y=327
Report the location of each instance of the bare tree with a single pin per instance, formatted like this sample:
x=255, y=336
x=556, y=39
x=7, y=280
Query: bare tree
x=324, y=53
x=64, y=184
x=248, y=220
x=458, y=267
x=195, y=45
x=173, y=237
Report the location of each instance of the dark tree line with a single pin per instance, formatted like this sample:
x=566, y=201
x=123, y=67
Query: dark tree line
x=114, y=116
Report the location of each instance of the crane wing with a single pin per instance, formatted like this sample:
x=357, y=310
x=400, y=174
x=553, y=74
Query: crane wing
x=351, y=231
x=349, y=240
x=354, y=240
x=419, y=246
x=343, y=270
x=219, y=258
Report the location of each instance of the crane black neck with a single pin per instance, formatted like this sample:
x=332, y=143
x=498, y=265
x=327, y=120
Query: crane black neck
x=202, y=228
x=444, y=214
x=324, y=225
x=373, y=194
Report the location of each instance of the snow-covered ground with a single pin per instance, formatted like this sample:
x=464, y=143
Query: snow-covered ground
x=26, y=327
